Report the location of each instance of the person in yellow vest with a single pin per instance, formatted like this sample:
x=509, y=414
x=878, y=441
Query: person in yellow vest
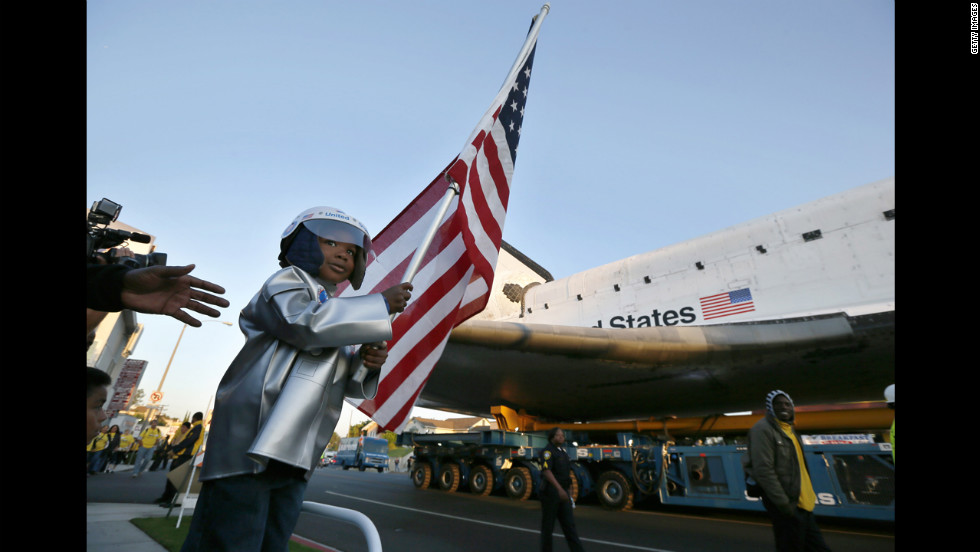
x=126, y=441
x=114, y=435
x=183, y=451
x=95, y=450
x=775, y=463
x=177, y=438
x=160, y=454
x=890, y=399
x=134, y=447
x=147, y=444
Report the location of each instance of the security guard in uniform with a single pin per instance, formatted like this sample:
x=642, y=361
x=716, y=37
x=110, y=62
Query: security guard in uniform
x=556, y=472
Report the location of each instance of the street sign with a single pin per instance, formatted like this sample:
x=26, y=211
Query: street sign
x=156, y=396
x=126, y=383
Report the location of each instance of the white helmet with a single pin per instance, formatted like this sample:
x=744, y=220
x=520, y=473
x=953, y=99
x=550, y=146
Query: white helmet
x=890, y=394
x=299, y=243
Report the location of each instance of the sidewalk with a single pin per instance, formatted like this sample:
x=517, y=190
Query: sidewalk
x=108, y=529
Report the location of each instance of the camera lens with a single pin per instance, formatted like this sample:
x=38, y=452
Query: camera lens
x=130, y=261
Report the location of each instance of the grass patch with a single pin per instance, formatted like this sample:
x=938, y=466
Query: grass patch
x=164, y=530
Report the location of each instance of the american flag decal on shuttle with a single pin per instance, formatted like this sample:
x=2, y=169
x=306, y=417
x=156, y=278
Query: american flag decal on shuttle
x=727, y=304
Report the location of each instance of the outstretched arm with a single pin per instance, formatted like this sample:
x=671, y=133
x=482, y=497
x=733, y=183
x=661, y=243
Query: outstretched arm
x=168, y=289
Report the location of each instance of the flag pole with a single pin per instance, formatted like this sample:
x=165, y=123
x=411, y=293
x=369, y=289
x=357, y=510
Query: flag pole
x=453, y=189
x=413, y=267
x=532, y=35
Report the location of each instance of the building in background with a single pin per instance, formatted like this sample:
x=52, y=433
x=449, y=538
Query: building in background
x=118, y=333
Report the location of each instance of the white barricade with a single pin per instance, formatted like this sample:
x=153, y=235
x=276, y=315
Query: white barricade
x=350, y=516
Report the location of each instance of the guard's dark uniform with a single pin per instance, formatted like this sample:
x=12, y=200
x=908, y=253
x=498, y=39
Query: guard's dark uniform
x=556, y=459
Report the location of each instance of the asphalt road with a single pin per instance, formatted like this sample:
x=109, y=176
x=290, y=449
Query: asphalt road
x=409, y=519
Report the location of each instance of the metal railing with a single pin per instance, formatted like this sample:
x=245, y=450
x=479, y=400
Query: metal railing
x=353, y=517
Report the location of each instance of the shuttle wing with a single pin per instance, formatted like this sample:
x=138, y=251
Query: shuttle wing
x=567, y=373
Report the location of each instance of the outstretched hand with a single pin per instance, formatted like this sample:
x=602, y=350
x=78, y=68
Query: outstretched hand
x=167, y=290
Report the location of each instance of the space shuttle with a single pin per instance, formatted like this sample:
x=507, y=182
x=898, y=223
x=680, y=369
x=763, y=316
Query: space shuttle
x=802, y=300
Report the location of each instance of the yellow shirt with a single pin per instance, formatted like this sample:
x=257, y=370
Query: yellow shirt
x=149, y=437
x=808, y=498
x=125, y=441
x=100, y=442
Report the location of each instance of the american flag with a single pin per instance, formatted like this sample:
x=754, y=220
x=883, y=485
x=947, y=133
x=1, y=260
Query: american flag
x=727, y=304
x=453, y=281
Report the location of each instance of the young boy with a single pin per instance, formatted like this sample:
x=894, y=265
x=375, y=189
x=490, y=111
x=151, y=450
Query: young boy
x=279, y=401
x=97, y=391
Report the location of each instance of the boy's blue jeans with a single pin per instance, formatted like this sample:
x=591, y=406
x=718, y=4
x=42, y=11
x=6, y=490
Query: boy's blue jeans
x=247, y=512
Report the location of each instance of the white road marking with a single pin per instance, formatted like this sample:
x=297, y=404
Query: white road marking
x=510, y=527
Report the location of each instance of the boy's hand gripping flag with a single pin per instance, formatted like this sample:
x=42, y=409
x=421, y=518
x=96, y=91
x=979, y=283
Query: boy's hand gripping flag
x=453, y=276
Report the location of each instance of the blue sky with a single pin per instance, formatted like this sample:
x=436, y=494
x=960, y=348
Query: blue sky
x=648, y=122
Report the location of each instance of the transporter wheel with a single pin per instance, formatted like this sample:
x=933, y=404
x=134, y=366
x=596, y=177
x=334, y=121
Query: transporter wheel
x=614, y=491
x=421, y=475
x=518, y=483
x=481, y=480
x=449, y=478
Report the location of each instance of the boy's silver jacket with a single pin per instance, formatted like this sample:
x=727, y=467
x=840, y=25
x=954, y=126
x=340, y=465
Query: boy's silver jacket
x=282, y=395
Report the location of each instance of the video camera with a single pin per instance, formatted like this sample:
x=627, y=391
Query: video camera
x=100, y=236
